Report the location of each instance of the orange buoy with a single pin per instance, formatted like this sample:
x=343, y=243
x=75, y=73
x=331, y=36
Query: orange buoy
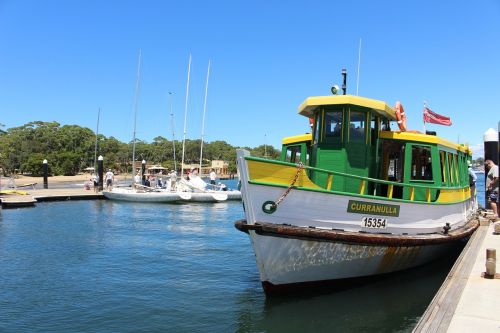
x=400, y=116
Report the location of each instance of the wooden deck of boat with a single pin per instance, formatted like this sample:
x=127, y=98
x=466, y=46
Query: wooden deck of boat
x=39, y=195
x=467, y=302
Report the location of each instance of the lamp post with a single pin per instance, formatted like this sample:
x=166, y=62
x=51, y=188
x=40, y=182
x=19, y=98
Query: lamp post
x=45, y=174
x=143, y=170
x=100, y=171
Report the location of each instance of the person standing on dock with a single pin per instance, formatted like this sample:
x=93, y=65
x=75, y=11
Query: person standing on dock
x=472, y=184
x=109, y=179
x=95, y=179
x=492, y=186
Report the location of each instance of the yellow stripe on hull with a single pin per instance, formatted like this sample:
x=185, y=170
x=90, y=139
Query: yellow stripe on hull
x=456, y=195
x=271, y=173
x=278, y=174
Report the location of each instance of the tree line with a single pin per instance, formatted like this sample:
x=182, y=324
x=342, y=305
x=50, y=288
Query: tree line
x=69, y=149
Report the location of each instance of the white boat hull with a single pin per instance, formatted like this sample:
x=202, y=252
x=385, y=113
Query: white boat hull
x=284, y=262
x=233, y=195
x=207, y=196
x=132, y=195
x=317, y=236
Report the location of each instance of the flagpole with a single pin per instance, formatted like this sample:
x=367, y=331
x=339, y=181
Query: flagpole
x=425, y=105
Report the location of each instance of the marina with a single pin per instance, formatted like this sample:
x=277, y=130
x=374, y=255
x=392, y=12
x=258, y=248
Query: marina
x=203, y=168
x=101, y=265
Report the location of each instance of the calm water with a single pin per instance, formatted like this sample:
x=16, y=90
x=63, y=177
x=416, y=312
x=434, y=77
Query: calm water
x=103, y=266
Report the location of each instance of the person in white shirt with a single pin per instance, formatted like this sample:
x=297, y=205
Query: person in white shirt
x=137, y=178
x=213, y=177
x=173, y=180
x=109, y=179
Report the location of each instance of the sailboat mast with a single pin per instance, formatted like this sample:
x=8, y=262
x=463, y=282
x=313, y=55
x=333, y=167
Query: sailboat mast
x=203, y=119
x=136, y=103
x=96, y=135
x=185, y=118
x=173, y=129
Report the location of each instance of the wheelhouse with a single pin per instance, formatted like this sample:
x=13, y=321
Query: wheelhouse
x=352, y=149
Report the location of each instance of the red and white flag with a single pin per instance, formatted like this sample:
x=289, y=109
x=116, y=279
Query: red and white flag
x=434, y=118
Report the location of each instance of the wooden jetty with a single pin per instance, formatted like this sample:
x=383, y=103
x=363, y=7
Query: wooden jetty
x=467, y=301
x=16, y=200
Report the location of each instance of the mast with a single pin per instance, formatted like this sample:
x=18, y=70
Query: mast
x=185, y=118
x=96, y=135
x=203, y=121
x=173, y=129
x=136, y=102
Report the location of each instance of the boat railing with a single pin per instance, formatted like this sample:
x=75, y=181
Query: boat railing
x=367, y=186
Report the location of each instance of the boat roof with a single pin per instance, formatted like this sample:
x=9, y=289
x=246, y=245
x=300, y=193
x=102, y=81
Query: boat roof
x=310, y=105
x=297, y=138
x=424, y=138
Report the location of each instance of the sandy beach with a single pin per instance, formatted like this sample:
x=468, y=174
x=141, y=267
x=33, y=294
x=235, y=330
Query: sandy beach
x=21, y=180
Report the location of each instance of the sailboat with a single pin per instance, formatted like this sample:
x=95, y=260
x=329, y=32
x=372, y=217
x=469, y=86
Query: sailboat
x=196, y=185
x=139, y=192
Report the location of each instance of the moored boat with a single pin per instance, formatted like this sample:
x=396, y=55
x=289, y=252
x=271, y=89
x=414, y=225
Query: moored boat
x=353, y=199
x=149, y=195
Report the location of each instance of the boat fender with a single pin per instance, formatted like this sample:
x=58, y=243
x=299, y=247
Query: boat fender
x=269, y=207
x=400, y=116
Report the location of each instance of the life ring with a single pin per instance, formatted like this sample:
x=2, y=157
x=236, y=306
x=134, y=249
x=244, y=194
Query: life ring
x=400, y=116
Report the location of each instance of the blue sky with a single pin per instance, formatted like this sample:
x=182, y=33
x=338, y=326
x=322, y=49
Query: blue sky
x=62, y=60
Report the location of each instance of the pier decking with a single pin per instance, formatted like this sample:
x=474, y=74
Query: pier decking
x=39, y=195
x=467, y=302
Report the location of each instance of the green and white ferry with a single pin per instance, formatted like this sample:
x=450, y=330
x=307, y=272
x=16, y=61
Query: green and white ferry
x=353, y=199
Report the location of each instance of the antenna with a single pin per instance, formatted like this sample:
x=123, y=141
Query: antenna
x=344, y=79
x=359, y=64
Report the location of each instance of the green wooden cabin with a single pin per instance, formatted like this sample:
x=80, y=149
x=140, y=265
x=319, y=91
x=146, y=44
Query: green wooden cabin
x=351, y=137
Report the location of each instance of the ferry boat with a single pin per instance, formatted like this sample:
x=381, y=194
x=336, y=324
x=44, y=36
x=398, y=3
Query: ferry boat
x=353, y=199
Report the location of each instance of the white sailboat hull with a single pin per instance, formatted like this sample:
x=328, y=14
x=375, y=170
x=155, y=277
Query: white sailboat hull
x=132, y=195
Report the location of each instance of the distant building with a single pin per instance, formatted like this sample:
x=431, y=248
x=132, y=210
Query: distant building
x=220, y=167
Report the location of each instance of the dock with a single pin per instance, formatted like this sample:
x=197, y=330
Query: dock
x=467, y=301
x=17, y=200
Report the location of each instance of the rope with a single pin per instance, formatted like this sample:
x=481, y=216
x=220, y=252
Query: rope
x=271, y=206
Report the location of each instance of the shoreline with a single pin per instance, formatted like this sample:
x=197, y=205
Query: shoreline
x=21, y=180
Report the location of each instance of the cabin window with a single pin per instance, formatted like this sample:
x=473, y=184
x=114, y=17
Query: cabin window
x=444, y=173
x=293, y=154
x=333, y=125
x=316, y=129
x=421, y=163
x=451, y=169
x=357, y=124
x=374, y=128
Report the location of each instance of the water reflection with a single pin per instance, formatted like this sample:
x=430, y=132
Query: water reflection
x=392, y=303
x=103, y=266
